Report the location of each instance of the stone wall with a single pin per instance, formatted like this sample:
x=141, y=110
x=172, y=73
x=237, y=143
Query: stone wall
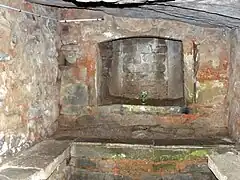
x=234, y=86
x=29, y=93
x=208, y=46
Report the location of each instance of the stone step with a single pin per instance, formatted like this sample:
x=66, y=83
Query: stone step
x=225, y=166
x=38, y=162
x=143, y=162
x=81, y=174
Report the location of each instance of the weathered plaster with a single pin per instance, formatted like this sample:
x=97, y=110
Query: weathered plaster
x=28, y=73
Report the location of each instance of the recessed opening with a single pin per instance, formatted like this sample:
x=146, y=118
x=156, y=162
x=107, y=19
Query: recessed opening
x=141, y=70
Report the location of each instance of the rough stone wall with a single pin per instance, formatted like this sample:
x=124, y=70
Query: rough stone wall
x=29, y=95
x=80, y=47
x=234, y=86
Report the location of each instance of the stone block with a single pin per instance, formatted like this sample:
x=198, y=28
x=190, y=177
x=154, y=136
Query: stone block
x=44, y=157
x=76, y=94
x=225, y=166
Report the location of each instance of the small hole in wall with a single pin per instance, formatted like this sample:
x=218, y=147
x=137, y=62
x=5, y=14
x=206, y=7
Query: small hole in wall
x=186, y=110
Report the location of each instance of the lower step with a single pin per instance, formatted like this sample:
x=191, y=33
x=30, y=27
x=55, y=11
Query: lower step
x=119, y=162
x=81, y=174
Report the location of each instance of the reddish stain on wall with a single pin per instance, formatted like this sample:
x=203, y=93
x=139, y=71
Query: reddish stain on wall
x=89, y=63
x=211, y=74
x=177, y=119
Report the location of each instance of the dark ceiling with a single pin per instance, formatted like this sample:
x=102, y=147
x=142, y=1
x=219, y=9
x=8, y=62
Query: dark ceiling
x=212, y=13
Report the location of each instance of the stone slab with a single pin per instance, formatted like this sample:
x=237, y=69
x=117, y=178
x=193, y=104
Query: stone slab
x=38, y=162
x=225, y=166
x=17, y=173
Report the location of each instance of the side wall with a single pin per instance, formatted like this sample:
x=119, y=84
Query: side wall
x=79, y=76
x=29, y=95
x=234, y=86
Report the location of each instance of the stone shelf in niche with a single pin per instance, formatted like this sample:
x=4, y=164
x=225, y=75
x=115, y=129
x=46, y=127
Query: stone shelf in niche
x=141, y=109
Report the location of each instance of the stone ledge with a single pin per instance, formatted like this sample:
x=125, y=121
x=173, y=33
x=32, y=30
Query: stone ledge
x=38, y=162
x=139, y=109
x=225, y=166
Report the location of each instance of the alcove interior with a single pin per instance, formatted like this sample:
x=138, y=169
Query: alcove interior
x=132, y=65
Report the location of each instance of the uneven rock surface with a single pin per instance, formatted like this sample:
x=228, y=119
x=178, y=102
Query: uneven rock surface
x=28, y=76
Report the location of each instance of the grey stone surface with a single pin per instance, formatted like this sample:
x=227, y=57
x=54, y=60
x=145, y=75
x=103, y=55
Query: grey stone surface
x=139, y=109
x=17, y=173
x=76, y=94
x=38, y=162
x=225, y=166
x=234, y=90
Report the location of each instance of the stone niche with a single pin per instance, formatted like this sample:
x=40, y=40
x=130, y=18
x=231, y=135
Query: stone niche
x=130, y=66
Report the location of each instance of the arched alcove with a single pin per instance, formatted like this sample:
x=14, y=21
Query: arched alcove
x=131, y=66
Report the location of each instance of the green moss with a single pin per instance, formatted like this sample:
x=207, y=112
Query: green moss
x=156, y=155
x=199, y=153
x=168, y=167
x=179, y=155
